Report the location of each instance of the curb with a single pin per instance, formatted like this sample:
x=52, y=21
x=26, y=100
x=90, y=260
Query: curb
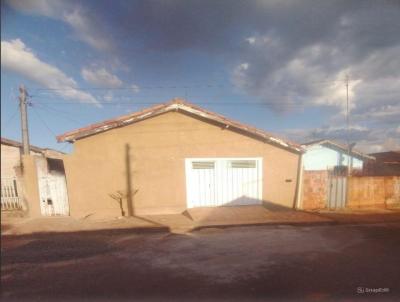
x=301, y=223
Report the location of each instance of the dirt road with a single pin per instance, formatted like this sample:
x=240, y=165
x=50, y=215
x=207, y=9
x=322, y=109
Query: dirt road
x=250, y=263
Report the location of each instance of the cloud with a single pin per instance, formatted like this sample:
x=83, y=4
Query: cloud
x=85, y=23
x=135, y=88
x=108, y=97
x=87, y=29
x=101, y=77
x=368, y=140
x=289, y=54
x=16, y=57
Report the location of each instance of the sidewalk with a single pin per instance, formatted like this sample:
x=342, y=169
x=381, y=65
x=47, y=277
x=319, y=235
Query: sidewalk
x=199, y=218
x=195, y=219
x=19, y=226
x=190, y=220
x=372, y=215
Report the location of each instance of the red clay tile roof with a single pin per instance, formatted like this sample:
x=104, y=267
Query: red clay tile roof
x=175, y=104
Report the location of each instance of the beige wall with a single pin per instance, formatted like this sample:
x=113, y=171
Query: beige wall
x=11, y=160
x=30, y=185
x=158, y=147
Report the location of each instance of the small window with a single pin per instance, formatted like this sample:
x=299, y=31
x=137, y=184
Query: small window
x=243, y=164
x=203, y=165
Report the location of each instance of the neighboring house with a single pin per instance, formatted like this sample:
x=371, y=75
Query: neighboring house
x=326, y=155
x=48, y=169
x=324, y=177
x=11, y=152
x=386, y=164
x=175, y=156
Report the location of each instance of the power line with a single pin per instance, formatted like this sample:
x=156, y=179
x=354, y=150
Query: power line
x=111, y=103
x=7, y=123
x=61, y=113
x=43, y=122
x=155, y=87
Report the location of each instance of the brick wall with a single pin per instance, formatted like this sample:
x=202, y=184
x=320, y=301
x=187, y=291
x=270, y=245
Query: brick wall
x=314, y=190
x=364, y=191
x=367, y=191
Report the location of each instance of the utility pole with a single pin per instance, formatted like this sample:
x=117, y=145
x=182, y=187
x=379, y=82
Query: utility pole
x=349, y=162
x=348, y=126
x=24, y=119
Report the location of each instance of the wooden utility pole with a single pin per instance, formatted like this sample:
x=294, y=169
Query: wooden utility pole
x=24, y=119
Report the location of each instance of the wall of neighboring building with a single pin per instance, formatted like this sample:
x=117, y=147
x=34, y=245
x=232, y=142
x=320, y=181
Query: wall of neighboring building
x=320, y=158
x=154, y=151
x=11, y=160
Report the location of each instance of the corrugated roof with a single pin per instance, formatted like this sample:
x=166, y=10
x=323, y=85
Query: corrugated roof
x=176, y=105
x=336, y=145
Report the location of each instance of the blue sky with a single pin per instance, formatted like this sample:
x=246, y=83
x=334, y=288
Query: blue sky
x=278, y=65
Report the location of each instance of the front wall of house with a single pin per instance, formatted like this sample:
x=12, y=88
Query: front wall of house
x=157, y=150
x=318, y=158
x=10, y=161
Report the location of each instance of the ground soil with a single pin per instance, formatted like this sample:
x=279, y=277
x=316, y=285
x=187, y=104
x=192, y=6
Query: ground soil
x=259, y=263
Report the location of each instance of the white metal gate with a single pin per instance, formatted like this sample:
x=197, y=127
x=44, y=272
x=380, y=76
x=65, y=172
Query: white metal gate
x=336, y=198
x=53, y=195
x=10, y=194
x=214, y=182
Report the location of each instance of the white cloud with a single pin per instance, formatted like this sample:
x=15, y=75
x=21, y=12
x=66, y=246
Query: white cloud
x=16, y=57
x=108, y=97
x=101, y=77
x=49, y=8
x=135, y=88
x=86, y=30
x=251, y=40
x=86, y=27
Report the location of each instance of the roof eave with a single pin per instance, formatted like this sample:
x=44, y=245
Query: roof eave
x=170, y=106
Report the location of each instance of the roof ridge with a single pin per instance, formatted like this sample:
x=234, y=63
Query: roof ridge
x=168, y=106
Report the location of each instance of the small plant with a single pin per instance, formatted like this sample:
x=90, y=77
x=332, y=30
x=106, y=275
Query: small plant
x=119, y=196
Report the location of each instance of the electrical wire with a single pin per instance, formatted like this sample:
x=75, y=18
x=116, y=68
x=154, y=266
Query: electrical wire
x=8, y=122
x=60, y=113
x=43, y=122
x=155, y=87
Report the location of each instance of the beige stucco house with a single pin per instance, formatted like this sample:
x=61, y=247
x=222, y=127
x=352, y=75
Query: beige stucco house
x=27, y=181
x=175, y=156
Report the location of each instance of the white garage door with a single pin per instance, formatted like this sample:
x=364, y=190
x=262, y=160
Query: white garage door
x=212, y=182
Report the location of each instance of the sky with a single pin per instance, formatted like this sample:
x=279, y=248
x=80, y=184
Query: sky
x=280, y=66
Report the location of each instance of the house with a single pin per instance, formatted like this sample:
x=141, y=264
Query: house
x=20, y=181
x=385, y=164
x=11, y=152
x=175, y=156
x=324, y=176
x=322, y=155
